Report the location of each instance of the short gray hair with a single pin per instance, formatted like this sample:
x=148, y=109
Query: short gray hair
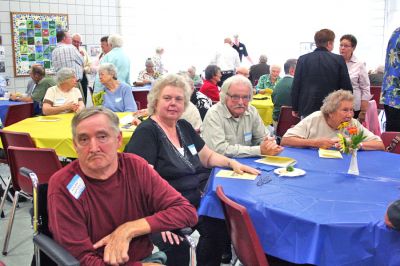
x=168, y=80
x=95, y=110
x=115, y=40
x=274, y=66
x=110, y=68
x=263, y=58
x=237, y=79
x=332, y=102
x=64, y=74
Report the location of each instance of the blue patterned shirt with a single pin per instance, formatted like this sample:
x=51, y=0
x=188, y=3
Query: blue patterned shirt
x=391, y=79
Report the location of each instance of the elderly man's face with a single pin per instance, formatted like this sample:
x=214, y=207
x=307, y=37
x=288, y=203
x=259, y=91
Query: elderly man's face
x=96, y=144
x=76, y=41
x=237, y=99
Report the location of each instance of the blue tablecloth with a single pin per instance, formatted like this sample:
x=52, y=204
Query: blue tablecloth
x=326, y=217
x=4, y=108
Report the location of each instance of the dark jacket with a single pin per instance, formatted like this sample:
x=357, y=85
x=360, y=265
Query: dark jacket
x=318, y=74
x=256, y=71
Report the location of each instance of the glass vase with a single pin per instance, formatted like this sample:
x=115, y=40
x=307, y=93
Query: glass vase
x=353, y=168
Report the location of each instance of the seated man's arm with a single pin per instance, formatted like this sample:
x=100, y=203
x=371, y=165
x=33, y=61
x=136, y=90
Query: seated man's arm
x=213, y=133
x=373, y=145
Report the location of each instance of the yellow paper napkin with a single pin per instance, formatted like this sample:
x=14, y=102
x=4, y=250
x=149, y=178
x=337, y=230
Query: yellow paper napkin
x=323, y=153
x=232, y=174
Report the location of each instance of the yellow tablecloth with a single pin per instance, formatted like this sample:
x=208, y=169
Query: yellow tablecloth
x=55, y=134
x=264, y=107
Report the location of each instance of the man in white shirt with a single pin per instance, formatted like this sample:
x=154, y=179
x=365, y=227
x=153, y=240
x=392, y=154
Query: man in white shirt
x=227, y=59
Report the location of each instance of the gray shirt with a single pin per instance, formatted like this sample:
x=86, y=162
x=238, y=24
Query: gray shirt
x=230, y=136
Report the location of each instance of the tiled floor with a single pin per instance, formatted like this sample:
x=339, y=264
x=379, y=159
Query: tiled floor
x=20, y=247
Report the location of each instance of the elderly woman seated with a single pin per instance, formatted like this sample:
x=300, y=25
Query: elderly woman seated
x=320, y=129
x=64, y=97
x=118, y=95
x=147, y=76
x=181, y=157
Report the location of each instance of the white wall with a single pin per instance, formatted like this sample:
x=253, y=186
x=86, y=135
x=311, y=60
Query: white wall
x=91, y=18
x=191, y=31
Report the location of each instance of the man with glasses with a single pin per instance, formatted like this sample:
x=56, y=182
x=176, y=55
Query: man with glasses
x=234, y=128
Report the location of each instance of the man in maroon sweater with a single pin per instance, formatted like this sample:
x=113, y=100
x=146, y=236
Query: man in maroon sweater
x=103, y=205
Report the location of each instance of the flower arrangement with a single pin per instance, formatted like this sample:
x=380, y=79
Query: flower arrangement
x=350, y=137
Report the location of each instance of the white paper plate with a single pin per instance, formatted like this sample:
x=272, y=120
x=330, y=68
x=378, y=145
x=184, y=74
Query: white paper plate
x=283, y=172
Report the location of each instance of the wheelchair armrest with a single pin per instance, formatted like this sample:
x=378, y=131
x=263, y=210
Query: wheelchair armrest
x=185, y=233
x=57, y=253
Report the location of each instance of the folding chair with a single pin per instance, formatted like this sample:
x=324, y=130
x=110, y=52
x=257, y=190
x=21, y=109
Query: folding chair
x=376, y=96
x=9, y=138
x=141, y=97
x=391, y=140
x=241, y=230
x=285, y=121
x=44, y=162
x=16, y=113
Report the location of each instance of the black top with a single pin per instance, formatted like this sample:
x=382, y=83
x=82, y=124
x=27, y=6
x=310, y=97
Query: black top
x=256, y=71
x=318, y=74
x=183, y=172
x=241, y=49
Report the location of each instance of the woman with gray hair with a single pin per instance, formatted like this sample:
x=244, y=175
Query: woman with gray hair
x=320, y=129
x=64, y=97
x=147, y=76
x=180, y=156
x=118, y=96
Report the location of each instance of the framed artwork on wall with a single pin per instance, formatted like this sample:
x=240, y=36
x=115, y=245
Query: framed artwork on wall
x=34, y=39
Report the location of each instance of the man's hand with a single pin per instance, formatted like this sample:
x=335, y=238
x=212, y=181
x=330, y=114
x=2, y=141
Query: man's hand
x=269, y=147
x=116, y=245
x=171, y=238
x=241, y=168
x=295, y=114
x=326, y=143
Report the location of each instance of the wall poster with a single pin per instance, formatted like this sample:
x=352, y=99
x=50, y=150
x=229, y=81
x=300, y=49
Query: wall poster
x=34, y=39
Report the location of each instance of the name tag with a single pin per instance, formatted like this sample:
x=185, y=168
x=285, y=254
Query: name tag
x=59, y=101
x=192, y=149
x=247, y=136
x=117, y=100
x=240, y=48
x=76, y=186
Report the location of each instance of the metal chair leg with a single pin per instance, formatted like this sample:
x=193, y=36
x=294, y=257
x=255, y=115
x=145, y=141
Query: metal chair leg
x=10, y=223
x=3, y=199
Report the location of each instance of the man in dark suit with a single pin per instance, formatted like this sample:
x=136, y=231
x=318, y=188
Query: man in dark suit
x=318, y=74
x=256, y=71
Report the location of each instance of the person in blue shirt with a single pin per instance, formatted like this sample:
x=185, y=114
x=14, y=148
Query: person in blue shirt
x=390, y=97
x=118, y=95
x=118, y=58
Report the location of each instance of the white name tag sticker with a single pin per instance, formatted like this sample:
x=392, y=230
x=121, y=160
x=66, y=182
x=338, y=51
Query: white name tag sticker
x=59, y=101
x=192, y=149
x=117, y=100
x=76, y=186
x=247, y=136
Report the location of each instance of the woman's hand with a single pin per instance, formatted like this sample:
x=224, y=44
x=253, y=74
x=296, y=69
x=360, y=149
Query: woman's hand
x=241, y=168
